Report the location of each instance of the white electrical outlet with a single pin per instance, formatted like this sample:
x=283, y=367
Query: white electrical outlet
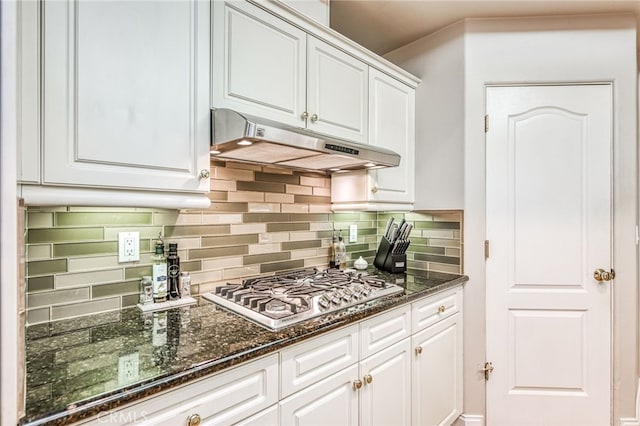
x=353, y=233
x=128, y=246
x=128, y=369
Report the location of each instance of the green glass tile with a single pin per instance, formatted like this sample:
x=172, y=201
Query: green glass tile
x=437, y=225
x=39, y=220
x=368, y=255
x=137, y=272
x=265, y=217
x=419, y=241
x=103, y=218
x=115, y=289
x=217, y=252
x=196, y=230
x=58, y=235
x=130, y=300
x=253, y=259
x=85, y=249
x=231, y=240
x=191, y=266
x=345, y=217
x=296, y=245
x=229, y=207
x=357, y=247
x=145, y=245
x=278, y=178
x=84, y=308
x=437, y=259
x=39, y=283
x=57, y=297
x=311, y=199
x=281, y=266
x=37, y=316
x=325, y=234
x=41, y=267
x=367, y=231
x=261, y=187
x=426, y=249
x=280, y=227
x=310, y=217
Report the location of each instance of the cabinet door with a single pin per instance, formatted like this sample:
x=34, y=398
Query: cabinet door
x=437, y=373
x=337, y=92
x=259, y=63
x=126, y=94
x=392, y=126
x=332, y=401
x=385, y=397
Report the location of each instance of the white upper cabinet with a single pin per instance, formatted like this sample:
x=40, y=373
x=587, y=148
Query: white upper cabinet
x=126, y=94
x=391, y=126
x=259, y=63
x=266, y=67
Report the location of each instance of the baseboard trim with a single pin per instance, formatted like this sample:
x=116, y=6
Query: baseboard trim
x=635, y=421
x=470, y=420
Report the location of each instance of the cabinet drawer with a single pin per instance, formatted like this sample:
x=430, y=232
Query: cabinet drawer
x=384, y=330
x=311, y=361
x=432, y=309
x=222, y=399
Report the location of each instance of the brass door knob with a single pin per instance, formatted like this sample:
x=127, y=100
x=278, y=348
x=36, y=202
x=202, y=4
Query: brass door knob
x=193, y=420
x=418, y=350
x=374, y=189
x=368, y=379
x=357, y=384
x=602, y=275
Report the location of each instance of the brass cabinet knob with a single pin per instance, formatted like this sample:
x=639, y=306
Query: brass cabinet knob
x=374, y=189
x=314, y=118
x=204, y=174
x=418, y=350
x=441, y=309
x=368, y=379
x=357, y=384
x=193, y=420
x=602, y=275
x=304, y=115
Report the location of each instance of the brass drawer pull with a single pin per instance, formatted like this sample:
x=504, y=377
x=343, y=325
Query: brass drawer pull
x=441, y=309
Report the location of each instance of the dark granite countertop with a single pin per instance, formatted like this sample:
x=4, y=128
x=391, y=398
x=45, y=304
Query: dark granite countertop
x=73, y=365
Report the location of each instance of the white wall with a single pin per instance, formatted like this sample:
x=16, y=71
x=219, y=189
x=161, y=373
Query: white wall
x=534, y=50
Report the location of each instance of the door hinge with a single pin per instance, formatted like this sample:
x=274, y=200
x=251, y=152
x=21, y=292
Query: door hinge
x=488, y=369
x=486, y=249
x=486, y=123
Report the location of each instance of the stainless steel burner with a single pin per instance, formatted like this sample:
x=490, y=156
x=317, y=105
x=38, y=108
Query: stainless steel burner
x=280, y=300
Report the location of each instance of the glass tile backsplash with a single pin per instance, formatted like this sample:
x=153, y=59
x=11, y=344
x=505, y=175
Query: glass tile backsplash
x=261, y=220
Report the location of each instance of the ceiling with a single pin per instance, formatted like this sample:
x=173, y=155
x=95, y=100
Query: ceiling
x=384, y=25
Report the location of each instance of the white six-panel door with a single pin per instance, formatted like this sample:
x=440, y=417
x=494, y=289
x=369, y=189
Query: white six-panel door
x=549, y=228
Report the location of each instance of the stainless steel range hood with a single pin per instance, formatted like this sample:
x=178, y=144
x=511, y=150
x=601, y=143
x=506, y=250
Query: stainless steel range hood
x=240, y=137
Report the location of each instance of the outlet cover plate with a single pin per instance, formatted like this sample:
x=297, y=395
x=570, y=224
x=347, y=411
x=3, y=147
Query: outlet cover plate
x=353, y=233
x=128, y=246
x=128, y=369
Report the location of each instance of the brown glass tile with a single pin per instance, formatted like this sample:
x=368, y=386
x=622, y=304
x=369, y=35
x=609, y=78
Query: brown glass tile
x=57, y=297
x=195, y=230
x=325, y=234
x=437, y=225
x=103, y=218
x=84, y=308
x=344, y=217
x=39, y=283
x=130, y=300
x=137, y=272
x=280, y=227
x=311, y=199
x=265, y=217
x=229, y=207
x=40, y=315
x=310, y=217
x=296, y=245
x=218, y=195
x=84, y=249
x=59, y=235
x=425, y=249
x=276, y=178
x=230, y=240
x=281, y=266
x=267, y=257
x=41, y=267
x=115, y=289
x=191, y=266
x=260, y=186
x=437, y=259
x=217, y=252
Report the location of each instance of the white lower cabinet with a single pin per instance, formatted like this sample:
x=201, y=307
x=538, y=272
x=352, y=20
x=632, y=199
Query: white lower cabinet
x=385, y=396
x=268, y=416
x=437, y=373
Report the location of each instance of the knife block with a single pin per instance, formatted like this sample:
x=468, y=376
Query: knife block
x=387, y=261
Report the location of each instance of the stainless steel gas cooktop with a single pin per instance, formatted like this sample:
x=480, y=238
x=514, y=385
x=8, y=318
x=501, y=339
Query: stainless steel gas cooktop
x=277, y=301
